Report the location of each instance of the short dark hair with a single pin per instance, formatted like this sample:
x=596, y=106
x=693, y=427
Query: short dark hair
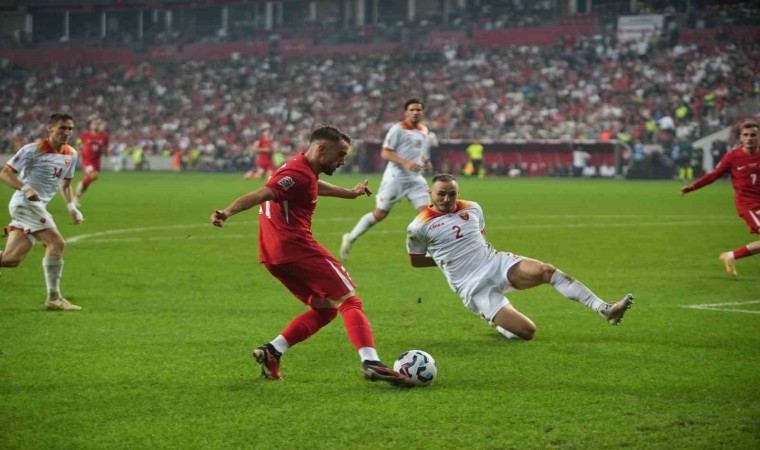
x=59, y=117
x=749, y=124
x=443, y=177
x=329, y=133
x=412, y=101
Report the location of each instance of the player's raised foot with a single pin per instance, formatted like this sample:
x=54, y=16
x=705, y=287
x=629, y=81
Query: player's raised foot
x=60, y=304
x=377, y=371
x=729, y=263
x=269, y=359
x=345, y=246
x=613, y=312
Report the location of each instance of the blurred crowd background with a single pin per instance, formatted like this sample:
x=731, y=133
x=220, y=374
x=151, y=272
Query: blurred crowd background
x=663, y=91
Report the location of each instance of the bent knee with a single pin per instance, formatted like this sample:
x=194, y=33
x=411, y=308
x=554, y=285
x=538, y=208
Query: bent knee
x=57, y=247
x=547, y=270
x=527, y=332
x=380, y=214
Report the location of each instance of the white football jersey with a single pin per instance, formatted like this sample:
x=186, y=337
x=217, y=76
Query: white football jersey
x=43, y=168
x=408, y=143
x=456, y=243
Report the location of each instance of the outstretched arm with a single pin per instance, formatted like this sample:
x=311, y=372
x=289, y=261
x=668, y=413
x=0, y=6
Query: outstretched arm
x=326, y=189
x=723, y=168
x=243, y=203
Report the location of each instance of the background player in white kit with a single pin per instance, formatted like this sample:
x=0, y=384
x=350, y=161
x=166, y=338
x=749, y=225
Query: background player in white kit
x=406, y=148
x=452, y=231
x=36, y=172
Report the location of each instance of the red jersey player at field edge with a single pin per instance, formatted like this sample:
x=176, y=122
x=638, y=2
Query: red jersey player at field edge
x=263, y=147
x=94, y=143
x=289, y=251
x=743, y=164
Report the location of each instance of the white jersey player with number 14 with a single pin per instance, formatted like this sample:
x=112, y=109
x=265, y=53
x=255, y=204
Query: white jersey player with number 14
x=36, y=172
x=407, y=149
x=450, y=233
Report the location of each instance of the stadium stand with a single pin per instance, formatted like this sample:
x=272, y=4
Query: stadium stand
x=211, y=98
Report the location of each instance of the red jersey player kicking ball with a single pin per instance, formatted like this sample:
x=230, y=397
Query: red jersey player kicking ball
x=94, y=145
x=289, y=251
x=743, y=164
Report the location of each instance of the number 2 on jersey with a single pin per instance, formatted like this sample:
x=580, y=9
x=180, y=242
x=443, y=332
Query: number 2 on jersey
x=458, y=230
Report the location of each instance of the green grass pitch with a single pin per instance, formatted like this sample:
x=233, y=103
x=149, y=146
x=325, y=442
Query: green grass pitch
x=159, y=358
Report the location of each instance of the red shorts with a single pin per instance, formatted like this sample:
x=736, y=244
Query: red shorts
x=319, y=276
x=752, y=217
x=91, y=166
x=265, y=163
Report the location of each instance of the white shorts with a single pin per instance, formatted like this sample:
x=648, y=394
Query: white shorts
x=393, y=190
x=485, y=296
x=29, y=217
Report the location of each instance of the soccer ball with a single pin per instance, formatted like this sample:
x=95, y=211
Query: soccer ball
x=417, y=365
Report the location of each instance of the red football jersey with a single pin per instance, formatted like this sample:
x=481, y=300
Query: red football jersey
x=93, y=145
x=266, y=147
x=285, y=224
x=745, y=177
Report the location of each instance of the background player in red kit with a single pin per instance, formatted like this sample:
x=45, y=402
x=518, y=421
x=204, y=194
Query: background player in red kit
x=743, y=164
x=290, y=253
x=94, y=145
x=263, y=147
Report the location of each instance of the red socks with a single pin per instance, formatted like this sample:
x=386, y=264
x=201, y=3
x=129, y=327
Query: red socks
x=357, y=325
x=307, y=324
x=742, y=252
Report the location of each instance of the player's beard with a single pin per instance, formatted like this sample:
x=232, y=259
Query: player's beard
x=445, y=208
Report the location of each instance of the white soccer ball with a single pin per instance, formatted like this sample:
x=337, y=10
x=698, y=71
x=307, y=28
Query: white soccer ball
x=417, y=365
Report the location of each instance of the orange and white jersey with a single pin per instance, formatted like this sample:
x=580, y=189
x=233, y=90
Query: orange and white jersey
x=456, y=243
x=43, y=168
x=410, y=143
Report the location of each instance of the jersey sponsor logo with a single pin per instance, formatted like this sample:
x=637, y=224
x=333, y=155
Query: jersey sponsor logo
x=741, y=167
x=465, y=216
x=286, y=182
x=439, y=224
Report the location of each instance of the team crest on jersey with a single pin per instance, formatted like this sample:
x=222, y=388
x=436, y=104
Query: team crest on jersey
x=465, y=216
x=286, y=182
x=67, y=162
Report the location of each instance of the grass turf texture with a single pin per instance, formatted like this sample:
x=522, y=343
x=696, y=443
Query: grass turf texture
x=160, y=355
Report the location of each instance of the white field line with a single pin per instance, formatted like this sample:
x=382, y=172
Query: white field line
x=722, y=306
x=93, y=237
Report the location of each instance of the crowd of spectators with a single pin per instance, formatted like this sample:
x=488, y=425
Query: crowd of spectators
x=582, y=88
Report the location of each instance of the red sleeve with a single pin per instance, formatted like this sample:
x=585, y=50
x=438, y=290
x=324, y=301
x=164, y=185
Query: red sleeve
x=723, y=168
x=288, y=184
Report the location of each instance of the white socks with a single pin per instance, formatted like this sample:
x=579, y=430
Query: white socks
x=280, y=344
x=364, y=224
x=368, y=354
x=575, y=290
x=53, y=268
